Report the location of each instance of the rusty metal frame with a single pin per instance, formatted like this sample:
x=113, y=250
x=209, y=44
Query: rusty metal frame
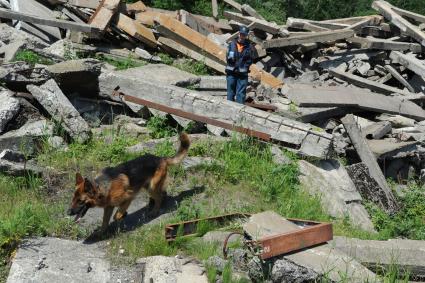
x=313, y=233
x=189, y=227
x=192, y=116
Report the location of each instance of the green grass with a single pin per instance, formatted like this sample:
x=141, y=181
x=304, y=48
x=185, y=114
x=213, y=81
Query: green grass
x=121, y=64
x=32, y=58
x=26, y=210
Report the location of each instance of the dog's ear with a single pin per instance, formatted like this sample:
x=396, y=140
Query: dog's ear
x=88, y=187
x=78, y=179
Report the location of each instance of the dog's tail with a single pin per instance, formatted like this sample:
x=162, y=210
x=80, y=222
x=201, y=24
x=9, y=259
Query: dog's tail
x=181, y=152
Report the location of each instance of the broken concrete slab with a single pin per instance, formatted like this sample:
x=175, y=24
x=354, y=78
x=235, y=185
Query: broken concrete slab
x=74, y=74
x=397, y=121
x=377, y=130
x=212, y=83
x=56, y=260
x=407, y=255
x=27, y=138
x=159, y=72
x=323, y=260
x=409, y=61
x=22, y=169
x=9, y=35
x=50, y=96
x=386, y=149
x=310, y=96
x=171, y=269
x=366, y=185
x=369, y=160
x=35, y=8
x=308, y=141
x=368, y=84
x=9, y=107
x=330, y=181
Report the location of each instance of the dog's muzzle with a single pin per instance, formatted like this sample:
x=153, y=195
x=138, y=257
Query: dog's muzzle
x=79, y=212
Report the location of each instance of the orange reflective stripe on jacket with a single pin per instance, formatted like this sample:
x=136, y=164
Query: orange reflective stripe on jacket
x=240, y=47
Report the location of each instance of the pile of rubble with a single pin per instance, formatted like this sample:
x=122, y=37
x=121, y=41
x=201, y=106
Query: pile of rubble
x=308, y=80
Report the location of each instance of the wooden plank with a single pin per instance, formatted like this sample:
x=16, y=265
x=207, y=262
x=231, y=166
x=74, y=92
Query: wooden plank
x=197, y=23
x=259, y=24
x=372, y=20
x=214, y=8
x=385, y=44
x=248, y=10
x=72, y=16
x=304, y=24
x=369, y=159
x=148, y=17
x=365, y=83
x=136, y=30
x=414, y=16
x=324, y=36
x=322, y=24
x=92, y=4
x=409, y=61
x=104, y=13
x=387, y=11
x=136, y=7
x=7, y=14
x=399, y=77
x=234, y=4
x=200, y=43
x=191, y=54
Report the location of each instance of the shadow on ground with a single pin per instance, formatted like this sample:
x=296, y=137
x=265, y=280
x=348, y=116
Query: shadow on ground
x=140, y=217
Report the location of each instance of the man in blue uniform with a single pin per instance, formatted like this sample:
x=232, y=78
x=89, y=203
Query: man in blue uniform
x=239, y=59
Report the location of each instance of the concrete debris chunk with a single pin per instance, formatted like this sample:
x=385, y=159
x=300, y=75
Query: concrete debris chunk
x=60, y=108
x=9, y=107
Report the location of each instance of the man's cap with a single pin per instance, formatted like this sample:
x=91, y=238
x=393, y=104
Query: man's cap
x=244, y=30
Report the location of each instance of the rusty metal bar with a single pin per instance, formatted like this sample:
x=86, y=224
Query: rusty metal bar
x=192, y=116
x=275, y=245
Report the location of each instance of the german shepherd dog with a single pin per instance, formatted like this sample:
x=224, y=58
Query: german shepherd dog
x=118, y=186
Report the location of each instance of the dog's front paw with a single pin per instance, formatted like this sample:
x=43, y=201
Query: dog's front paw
x=119, y=215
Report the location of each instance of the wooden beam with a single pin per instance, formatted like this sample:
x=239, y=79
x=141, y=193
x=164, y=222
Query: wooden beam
x=201, y=44
x=369, y=159
x=181, y=49
x=304, y=24
x=136, y=7
x=234, y=4
x=324, y=36
x=248, y=10
x=409, y=61
x=104, y=13
x=372, y=20
x=263, y=25
x=385, y=44
x=214, y=8
x=322, y=24
x=8, y=14
x=148, y=17
x=365, y=83
x=92, y=4
x=387, y=11
x=197, y=23
x=136, y=30
x=414, y=16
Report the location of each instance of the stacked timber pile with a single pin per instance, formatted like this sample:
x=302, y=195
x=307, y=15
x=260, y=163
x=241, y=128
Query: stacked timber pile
x=308, y=80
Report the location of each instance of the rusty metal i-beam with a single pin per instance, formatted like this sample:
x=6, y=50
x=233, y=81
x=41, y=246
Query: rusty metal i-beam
x=191, y=116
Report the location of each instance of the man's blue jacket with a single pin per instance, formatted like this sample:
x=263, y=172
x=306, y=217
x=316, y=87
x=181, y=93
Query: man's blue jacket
x=239, y=63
